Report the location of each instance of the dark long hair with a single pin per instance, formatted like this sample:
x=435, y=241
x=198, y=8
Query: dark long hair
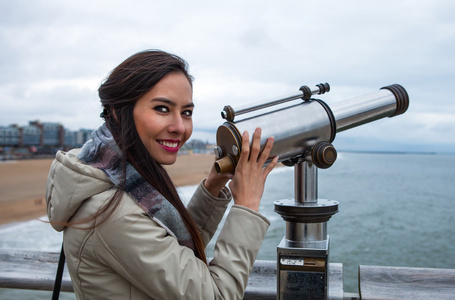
x=130, y=80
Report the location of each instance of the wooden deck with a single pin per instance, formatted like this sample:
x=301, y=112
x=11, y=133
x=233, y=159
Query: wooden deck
x=36, y=270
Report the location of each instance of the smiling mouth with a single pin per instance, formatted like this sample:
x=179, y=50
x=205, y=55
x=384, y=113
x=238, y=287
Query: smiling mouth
x=171, y=146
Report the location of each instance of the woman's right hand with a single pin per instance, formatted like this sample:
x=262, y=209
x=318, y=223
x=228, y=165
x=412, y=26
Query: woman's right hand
x=247, y=184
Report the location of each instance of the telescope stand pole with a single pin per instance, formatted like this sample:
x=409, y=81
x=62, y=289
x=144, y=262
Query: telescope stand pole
x=302, y=255
x=305, y=183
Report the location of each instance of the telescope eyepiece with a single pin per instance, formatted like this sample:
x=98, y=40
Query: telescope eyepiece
x=225, y=165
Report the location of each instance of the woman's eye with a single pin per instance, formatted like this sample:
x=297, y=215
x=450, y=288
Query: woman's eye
x=162, y=109
x=188, y=113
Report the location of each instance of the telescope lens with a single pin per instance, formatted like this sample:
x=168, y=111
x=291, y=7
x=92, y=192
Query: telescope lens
x=401, y=97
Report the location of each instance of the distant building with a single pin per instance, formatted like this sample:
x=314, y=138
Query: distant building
x=75, y=139
x=30, y=136
x=37, y=138
x=9, y=135
x=52, y=134
x=82, y=135
x=69, y=138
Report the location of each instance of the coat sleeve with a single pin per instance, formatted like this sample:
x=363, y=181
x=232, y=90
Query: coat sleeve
x=141, y=251
x=207, y=210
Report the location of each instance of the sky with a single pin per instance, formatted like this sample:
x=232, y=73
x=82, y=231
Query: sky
x=54, y=55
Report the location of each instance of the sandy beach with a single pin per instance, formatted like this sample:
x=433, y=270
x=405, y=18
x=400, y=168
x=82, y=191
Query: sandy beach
x=23, y=184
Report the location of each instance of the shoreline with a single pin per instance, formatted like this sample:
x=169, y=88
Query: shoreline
x=23, y=184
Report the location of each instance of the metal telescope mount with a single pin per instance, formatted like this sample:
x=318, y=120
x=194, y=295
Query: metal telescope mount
x=303, y=135
x=303, y=253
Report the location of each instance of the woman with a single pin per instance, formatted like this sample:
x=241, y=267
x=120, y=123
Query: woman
x=127, y=234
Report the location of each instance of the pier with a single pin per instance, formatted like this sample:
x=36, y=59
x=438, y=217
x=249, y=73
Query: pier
x=35, y=270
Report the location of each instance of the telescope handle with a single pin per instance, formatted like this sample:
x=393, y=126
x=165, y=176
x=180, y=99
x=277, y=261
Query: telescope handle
x=230, y=113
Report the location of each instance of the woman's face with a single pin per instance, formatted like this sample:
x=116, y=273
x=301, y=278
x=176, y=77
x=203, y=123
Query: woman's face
x=163, y=117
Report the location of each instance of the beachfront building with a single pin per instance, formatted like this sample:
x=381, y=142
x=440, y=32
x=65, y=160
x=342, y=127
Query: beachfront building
x=45, y=134
x=82, y=135
x=73, y=139
x=52, y=134
x=40, y=138
x=30, y=136
x=69, y=138
x=9, y=135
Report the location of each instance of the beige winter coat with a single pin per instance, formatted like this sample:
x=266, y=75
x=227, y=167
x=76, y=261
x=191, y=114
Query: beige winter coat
x=132, y=257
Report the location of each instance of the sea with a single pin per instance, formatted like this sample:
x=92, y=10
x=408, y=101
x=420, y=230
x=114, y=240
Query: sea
x=395, y=209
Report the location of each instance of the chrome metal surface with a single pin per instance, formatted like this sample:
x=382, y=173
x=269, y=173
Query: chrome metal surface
x=218, y=152
x=235, y=150
x=363, y=109
x=306, y=232
x=294, y=128
x=311, y=212
x=306, y=182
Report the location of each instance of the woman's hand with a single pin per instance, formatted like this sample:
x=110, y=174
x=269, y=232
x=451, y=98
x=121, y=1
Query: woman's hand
x=215, y=182
x=247, y=185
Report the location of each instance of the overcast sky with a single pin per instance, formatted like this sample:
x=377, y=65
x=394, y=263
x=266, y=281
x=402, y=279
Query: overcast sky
x=54, y=55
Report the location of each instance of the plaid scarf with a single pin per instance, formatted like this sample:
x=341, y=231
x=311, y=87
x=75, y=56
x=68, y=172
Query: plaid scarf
x=103, y=153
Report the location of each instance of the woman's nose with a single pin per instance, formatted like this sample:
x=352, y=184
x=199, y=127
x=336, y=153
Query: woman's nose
x=177, y=125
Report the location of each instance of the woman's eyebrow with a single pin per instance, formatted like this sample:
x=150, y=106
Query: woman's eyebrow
x=171, y=103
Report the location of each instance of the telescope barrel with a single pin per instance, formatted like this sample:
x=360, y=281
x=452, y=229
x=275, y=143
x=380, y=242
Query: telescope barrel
x=387, y=102
x=301, y=128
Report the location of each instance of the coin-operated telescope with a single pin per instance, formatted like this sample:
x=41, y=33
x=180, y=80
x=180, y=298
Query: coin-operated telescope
x=303, y=129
